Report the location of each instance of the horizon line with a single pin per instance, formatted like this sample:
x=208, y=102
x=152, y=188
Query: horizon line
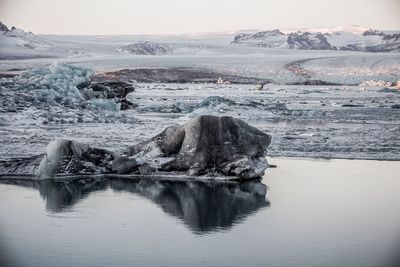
x=322, y=29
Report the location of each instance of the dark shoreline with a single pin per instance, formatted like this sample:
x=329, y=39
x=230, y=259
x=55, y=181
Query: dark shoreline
x=181, y=75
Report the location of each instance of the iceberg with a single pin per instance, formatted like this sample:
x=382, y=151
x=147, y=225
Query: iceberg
x=64, y=92
x=207, y=146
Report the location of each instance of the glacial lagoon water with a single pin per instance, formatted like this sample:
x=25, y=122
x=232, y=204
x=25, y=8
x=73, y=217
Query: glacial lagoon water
x=303, y=213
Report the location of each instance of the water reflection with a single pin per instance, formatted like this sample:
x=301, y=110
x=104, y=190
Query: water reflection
x=202, y=206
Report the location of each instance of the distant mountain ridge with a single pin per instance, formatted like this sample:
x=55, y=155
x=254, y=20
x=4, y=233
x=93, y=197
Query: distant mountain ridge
x=24, y=39
x=351, y=39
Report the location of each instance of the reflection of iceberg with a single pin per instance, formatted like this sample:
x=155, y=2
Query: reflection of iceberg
x=203, y=206
x=61, y=195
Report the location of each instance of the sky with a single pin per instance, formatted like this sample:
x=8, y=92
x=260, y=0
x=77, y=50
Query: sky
x=189, y=16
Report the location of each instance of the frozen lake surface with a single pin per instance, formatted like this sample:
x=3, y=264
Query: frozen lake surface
x=304, y=213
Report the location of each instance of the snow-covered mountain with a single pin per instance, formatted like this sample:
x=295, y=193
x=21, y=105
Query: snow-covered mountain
x=21, y=38
x=340, y=38
x=391, y=42
x=308, y=41
x=270, y=39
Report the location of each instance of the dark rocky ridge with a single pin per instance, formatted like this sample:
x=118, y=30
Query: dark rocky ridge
x=174, y=75
x=3, y=27
x=373, y=32
x=259, y=35
x=308, y=41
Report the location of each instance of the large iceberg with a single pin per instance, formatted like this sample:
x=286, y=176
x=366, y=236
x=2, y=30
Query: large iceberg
x=204, y=146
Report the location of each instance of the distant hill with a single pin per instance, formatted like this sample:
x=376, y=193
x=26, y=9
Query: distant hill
x=21, y=38
x=145, y=48
x=341, y=38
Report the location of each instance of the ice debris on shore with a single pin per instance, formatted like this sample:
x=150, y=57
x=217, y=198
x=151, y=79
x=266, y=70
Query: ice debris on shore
x=64, y=92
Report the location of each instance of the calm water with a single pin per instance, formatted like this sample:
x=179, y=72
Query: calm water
x=304, y=213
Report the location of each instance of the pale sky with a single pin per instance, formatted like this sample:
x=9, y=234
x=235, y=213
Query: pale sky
x=189, y=16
